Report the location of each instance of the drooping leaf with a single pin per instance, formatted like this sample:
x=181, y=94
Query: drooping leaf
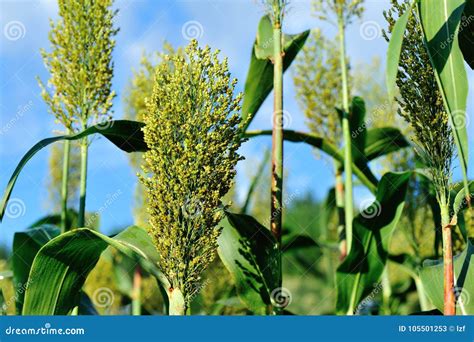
x=440, y=20
x=460, y=202
x=25, y=247
x=292, y=242
x=362, y=268
x=466, y=33
x=250, y=253
x=124, y=134
x=61, y=267
x=383, y=141
x=432, y=277
x=365, y=176
x=259, y=82
x=395, y=48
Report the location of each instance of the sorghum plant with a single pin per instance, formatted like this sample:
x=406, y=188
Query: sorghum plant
x=421, y=105
x=81, y=68
x=140, y=88
x=319, y=64
x=192, y=134
x=344, y=12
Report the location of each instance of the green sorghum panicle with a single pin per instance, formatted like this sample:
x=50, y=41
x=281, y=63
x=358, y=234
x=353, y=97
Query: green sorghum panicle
x=319, y=64
x=421, y=103
x=193, y=137
x=346, y=9
x=80, y=63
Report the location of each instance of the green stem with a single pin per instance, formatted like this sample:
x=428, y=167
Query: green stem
x=449, y=298
x=83, y=184
x=349, y=209
x=137, y=293
x=339, y=192
x=64, y=185
x=277, y=133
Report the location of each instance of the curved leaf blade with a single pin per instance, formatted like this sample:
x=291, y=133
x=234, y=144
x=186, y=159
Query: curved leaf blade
x=259, y=82
x=431, y=275
x=358, y=128
x=365, y=175
x=383, y=141
x=25, y=247
x=440, y=20
x=66, y=261
x=124, y=134
x=250, y=253
x=362, y=268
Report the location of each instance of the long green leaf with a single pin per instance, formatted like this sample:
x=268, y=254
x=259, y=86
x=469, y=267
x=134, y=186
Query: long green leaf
x=250, y=253
x=366, y=176
x=362, y=268
x=440, y=21
x=259, y=82
x=395, y=48
x=460, y=202
x=382, y=141
x=124, y=134
x=432, y=278
x=358, y=128
x=25, y=247
x=61, y=267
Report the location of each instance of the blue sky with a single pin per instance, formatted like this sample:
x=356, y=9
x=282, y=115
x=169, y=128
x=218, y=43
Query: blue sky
x=228, y=25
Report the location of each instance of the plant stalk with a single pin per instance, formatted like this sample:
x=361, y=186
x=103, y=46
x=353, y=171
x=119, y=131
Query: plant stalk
x=64, y=185
x=277, y=133
x=83, y=184
x=449, y=298
x=137, y=292
x=348, y=207
x=177, y=302
x=339, y=192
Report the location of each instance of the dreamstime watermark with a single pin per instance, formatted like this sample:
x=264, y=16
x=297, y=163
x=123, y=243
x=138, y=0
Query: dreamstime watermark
x=465, y=23
x=369, y=299
x=369, y=208
x=286, y=202
x=283, y=118
x=44, y=330
x=103, y=297
x=192, y=30
x=462, y=297
x=15, y=208
x=19, y=291
x=191, y=208
x=460, y=119
x=370, y=30
x=102, y=123
x=281, y=297
x=14, y=30
x=111, y=198
x=21, y=111
x=377, y=112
